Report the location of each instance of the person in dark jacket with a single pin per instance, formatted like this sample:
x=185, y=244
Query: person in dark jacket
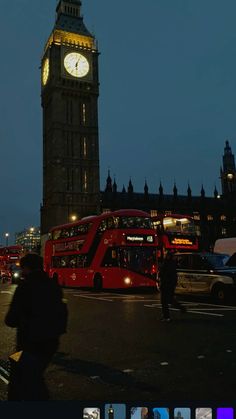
x=168, y=282
x=39, y=314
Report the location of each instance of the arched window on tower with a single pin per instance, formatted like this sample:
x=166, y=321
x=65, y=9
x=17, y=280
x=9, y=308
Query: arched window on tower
x=85, y=181
x=84, y=113
x=85, y=147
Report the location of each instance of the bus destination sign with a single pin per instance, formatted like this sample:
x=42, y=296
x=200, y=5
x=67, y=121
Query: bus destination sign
x=138, y=238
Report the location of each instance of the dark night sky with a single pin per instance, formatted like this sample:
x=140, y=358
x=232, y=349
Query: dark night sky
x=167, y=96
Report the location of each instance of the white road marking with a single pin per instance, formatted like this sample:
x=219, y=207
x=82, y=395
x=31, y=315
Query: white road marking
x=189, y=311
x=203, y=312
x=4, y=371
x=214, y=305
x=219, y=309
x=4, y=380
x=202, y=308
x=137, y=301
x=92, y=298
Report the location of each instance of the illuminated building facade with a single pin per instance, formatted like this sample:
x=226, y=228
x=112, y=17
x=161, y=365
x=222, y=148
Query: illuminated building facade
x=214, y=216
x=29, y=239
x=70, y=90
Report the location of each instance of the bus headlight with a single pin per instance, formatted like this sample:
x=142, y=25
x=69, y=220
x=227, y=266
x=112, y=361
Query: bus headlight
x=127, y=281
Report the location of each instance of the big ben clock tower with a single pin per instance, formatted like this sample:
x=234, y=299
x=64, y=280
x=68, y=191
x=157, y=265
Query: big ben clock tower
x=70, y=90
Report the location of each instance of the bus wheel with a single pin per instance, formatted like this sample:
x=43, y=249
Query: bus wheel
x=219, y=293
x=97, y=282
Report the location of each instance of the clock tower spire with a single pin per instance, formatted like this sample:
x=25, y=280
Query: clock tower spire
x=70, y=90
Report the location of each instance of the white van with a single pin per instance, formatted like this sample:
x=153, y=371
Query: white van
x=227, y=246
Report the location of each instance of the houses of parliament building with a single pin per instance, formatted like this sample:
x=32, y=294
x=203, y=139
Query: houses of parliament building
x=69, y=97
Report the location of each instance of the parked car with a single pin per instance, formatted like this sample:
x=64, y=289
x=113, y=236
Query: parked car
x=205, y=273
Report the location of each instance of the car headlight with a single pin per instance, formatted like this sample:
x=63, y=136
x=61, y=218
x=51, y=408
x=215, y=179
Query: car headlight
x=16, y=275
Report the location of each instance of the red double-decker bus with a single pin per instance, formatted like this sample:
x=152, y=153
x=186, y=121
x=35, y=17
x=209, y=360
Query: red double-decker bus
x=113, y=250
x=10, y=262
x=175, y=232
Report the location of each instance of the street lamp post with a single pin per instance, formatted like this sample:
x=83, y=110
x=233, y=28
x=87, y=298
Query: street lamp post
x=73, y=217
x=6, y=237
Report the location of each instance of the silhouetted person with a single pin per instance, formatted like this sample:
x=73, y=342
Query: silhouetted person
x=168, y=282
x=40, y=316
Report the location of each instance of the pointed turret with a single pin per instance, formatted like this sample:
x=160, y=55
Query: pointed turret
x=161, y=190
x=202, y=192
x=108, y=183
x=228, y=171
x=175, y=191
x=130, y=187
x=69, y=17
x=189, y=192
x=146, y=188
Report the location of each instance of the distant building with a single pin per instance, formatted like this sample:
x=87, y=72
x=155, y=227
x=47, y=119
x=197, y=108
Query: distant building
x=29, y=239
x=214, y=216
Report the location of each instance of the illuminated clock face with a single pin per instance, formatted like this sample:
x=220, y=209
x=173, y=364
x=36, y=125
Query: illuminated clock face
x=45, y=72
x=76, y=64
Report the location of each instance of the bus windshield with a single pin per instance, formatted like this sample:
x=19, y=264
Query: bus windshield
x=137, y=259
x=178, y=225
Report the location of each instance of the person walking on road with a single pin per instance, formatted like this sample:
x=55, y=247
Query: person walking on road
x=38, y=312
x=168, y=282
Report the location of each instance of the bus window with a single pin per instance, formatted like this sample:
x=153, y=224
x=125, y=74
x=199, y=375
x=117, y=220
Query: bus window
x=72, y=262
x=110, y=258
x=56, y=234
x=110, y=223
x=56, y=262
x=81, y=261
x=103, y=226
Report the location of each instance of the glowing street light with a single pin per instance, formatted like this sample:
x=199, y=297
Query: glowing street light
x=73, y=217
x=6, y=237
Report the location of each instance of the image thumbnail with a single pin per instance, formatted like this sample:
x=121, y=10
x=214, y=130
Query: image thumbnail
x=115, y=411
x=203, y=413
x=91, y=413
x=160, y=413
x=182, y=413
x=225, y=413
x=139, y=413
